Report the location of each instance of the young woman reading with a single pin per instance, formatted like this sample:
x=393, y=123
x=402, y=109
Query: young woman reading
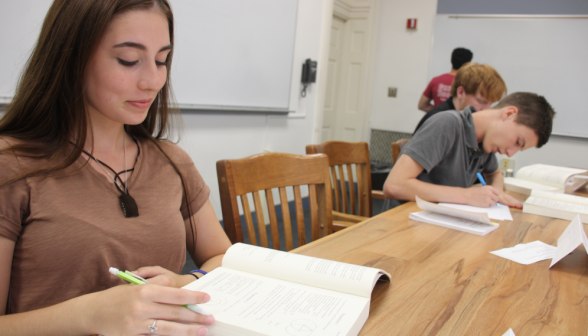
x=89, y=181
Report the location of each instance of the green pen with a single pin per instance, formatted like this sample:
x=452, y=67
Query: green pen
x=128, y=276
x=137, y=280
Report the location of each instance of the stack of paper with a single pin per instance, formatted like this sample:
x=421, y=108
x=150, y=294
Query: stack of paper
x=467, y=221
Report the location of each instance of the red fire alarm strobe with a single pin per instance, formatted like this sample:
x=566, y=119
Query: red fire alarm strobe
x=411, y=23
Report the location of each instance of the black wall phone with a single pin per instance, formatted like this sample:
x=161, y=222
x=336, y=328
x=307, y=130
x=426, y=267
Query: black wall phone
x=308, y=74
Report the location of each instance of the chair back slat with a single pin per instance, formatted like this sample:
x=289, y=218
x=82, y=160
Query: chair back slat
x=260, y=220
x=299, y=216
x=364, y=187
x=352, y=208
x=359, y=200
x=271, y=209
x=248, y=219
x=337, y=205
x=286, y=218
x=324, y=218
x=314, y=220
x=344, y=194
x=264, y=173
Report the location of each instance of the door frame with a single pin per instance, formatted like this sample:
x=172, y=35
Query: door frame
x=352, y=9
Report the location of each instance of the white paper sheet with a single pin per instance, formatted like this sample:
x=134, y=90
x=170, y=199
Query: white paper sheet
x=527, y=253
x=509, y=332
x=570, y=239
x=498, y=212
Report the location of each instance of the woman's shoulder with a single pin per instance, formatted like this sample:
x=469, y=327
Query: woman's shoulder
x=176, y=153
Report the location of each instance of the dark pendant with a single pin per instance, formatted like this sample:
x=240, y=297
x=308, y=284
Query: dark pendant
x=129, y=206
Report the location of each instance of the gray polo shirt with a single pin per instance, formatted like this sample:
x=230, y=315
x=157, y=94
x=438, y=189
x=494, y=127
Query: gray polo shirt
x=447, y=148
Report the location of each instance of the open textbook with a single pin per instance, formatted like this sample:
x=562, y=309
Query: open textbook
x=260, y=291
x=468, y=221
x=545, y=177
x=556, y=205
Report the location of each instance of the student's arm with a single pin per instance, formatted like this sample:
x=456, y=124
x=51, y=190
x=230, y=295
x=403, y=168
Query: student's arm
x=402, y=184
x=497, y=181
x=212, y=240
x=425, y=104
x=212, y=243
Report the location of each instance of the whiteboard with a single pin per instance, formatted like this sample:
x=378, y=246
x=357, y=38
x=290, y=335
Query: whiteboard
x=547, y=55
x=229, y=54
x=234, y=53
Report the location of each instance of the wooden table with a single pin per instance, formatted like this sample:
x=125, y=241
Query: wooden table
x=445, y=282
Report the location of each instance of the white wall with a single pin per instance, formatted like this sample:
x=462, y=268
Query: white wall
x=212, y=137
x=558, y=151
x=402, y=61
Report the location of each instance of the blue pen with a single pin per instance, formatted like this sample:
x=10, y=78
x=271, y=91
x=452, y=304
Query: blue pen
x=481, y=178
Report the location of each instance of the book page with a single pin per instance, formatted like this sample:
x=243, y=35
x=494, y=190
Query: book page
x=545, y=174
x=572, y=237
x=471, y=216
x=315, y=272
x=498, y=211
x=558, y=205
x=250, y=304
x=560, y=197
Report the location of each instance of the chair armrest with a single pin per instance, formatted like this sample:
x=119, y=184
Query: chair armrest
x=379, y=194
x=343, y=217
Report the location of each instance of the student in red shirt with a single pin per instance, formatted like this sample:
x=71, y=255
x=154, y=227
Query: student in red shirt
x=439, y=87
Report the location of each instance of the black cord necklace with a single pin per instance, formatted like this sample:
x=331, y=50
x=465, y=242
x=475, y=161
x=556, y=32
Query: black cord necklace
x=127, y=202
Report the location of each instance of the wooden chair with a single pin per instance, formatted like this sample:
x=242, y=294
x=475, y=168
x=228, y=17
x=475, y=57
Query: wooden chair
x=352, y=206
x=263, y=172
x=397, y=147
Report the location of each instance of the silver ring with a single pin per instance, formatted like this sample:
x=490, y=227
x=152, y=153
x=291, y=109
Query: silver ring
x=153, y=327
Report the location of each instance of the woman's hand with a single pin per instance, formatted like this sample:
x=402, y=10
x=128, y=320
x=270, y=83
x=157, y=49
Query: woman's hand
x=161, y=276
x=132, y=309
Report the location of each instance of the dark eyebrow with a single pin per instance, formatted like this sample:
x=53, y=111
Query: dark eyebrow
x=139, y=46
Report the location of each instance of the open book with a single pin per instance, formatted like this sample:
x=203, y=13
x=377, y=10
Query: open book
x=556, y=205
x=544, y=177
x=259, y=291
x=468, y=221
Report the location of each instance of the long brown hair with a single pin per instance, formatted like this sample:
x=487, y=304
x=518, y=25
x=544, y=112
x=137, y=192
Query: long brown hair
x=47, y=112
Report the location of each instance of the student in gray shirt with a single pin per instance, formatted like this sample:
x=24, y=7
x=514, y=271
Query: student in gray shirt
x=440, y=162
